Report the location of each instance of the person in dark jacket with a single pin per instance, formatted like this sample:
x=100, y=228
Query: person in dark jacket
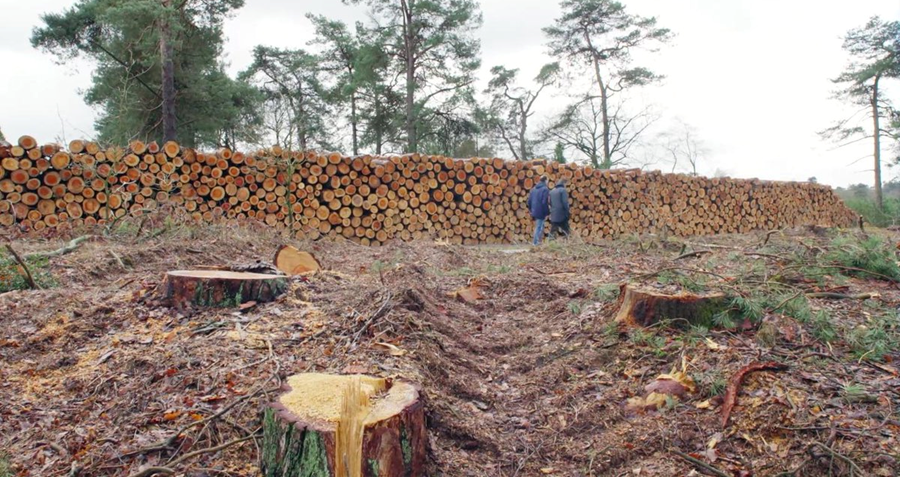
x=559, y=209
x=539, y=206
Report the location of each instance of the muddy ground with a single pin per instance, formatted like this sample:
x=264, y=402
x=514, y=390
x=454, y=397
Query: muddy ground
x=534, y=379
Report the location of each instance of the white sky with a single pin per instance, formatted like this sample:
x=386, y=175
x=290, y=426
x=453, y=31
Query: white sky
x=752, y=76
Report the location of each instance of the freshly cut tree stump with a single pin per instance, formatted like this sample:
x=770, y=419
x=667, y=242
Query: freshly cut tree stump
x=644, y=307
x=345, y=426
x=220, y=288
x=295, y=262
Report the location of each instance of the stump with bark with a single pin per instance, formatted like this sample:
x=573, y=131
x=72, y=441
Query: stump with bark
x=644, y=307
x=220, y=288
x=345, y=426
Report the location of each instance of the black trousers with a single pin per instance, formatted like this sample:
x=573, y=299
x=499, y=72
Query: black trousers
x=557, y=227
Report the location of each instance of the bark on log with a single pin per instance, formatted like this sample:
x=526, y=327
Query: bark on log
x=642, y=307
x=345, y=426
x=213, y=288
x=373, y=200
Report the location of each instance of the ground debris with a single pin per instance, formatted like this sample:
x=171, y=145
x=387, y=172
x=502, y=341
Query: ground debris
x=533, y=378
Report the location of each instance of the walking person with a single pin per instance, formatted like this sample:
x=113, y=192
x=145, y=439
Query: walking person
x=539, y=206
x=559, y=210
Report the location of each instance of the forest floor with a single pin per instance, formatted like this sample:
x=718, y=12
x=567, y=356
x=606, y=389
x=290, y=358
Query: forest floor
x=534, y=379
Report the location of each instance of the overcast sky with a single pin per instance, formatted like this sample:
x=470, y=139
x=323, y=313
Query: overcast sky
x=752, y=76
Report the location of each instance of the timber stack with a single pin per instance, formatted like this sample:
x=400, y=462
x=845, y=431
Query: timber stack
x=372, y=200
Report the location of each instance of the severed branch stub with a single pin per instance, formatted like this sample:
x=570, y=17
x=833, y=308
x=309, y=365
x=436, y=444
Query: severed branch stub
x=30, y=279
x=345, y=426
x=219, y=288
x=643, y=307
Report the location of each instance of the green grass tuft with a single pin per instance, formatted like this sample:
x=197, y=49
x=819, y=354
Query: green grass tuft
x=607, y=293
x=823, y=328
x=711, y=383
x=5, y=467
x=875, y=341
x=12, y=278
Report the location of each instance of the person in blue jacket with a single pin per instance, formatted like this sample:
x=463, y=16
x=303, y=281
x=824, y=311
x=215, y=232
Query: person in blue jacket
x=539, y=206
x=559, y=210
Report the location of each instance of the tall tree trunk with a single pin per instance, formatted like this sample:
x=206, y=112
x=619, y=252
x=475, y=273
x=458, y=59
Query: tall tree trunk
x=168, y=81
x=379, y=133
x=604, y=104
x=523, y=146
x=409, y=39
x=353, y=124
x=879, y=199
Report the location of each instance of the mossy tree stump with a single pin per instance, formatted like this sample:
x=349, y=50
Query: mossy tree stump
x=219, y=288
x=643, y=307
x=345, y=426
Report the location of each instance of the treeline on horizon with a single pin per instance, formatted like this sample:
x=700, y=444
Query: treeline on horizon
x=406, y=80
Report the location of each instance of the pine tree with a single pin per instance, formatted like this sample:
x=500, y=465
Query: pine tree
x=158, y=71
x=434, y=49
x=290, y=82
x=512, y=106
x=602, y=35
x=875, y=53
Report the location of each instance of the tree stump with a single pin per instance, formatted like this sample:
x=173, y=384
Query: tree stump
x=646, y=307
x=220, y=288
x=345, y=426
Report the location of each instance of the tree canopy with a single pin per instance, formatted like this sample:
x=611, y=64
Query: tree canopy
x=124, y=38
x=512, y=106
x=874, y=50
x=601, y=35
x=433, y=46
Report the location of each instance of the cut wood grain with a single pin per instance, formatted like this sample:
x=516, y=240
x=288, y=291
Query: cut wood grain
x=373, y=200
x=295, y=262
x=345, y=426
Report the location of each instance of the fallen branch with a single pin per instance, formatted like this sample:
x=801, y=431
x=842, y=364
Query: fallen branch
x=765, y=255
x=768, y=236
x=786, y=301
x=734, y=385
x=711, y=245
x=68, y=248
x=697, y=253
x=118, y=259
x=835, y=454
x=170, y=441
x=670, y=269
x=385, y=308
x=700, y=465
x=31, y=283
x=841, y=296
x=149, y=471
x=860, y=270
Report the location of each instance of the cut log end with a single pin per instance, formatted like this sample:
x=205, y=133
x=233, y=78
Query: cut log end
x=355, y=426
x=642, y=307
x=214, y=288
x=295, y=262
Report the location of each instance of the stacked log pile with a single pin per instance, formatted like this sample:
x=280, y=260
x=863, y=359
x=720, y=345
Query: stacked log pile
x=376, y=199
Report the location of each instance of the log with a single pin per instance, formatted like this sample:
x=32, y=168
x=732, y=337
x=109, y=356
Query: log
x=373, y=200
x=642, y=307
x=345, y=426
x=214, y=288
x=295, y=262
